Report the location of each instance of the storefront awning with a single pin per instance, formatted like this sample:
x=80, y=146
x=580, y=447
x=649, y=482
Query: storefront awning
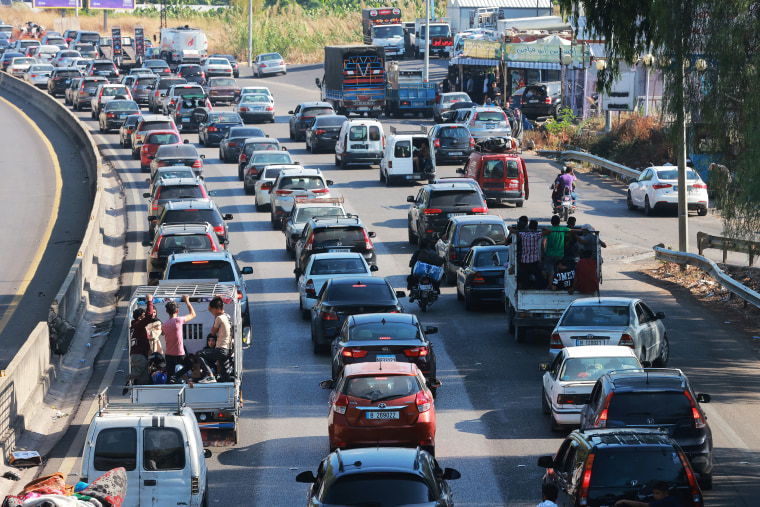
x=534, y=65
x=464, y=60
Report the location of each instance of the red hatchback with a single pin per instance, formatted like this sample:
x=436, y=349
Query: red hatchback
x=153, y=140
x=381, y=404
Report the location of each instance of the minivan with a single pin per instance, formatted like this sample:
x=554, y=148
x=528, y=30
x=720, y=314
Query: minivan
x=502, y=176
x=359, y=142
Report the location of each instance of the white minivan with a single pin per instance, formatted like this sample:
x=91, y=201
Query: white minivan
x=360, y=142
x=398, y=163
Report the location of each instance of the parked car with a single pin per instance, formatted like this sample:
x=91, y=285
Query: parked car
x=222, y=89
x=480, y=277
x=450, y=143
x=179, y=238
x=115, y=112
x=232, y=142
x=269, y=63
x=60, y=79
x=657, y=188
x=444, y=101
x=39, y=74
x=216, y=125
x=254, y=108
x=303, y=116
x=323, y=133
x=303, y=210
x=257, y=161
x=294, y=183
x=542, y=99
x=324, y=266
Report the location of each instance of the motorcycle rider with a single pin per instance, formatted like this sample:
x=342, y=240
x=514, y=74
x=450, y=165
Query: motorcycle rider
x=427, y=255
x=566, y=180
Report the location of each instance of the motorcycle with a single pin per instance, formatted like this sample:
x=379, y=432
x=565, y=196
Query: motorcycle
x=425, y=291
x=564, y=206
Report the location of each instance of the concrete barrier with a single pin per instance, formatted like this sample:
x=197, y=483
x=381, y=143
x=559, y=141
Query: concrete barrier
x=33, y=368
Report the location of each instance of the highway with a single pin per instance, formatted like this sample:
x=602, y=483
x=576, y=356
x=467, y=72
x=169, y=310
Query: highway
x=490, y=424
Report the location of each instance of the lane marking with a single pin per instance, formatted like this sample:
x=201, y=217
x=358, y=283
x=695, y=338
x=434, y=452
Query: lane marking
x=37, y=259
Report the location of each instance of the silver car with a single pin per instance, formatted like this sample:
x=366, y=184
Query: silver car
x=445, y=101
x=38, y=75
x=487, y=121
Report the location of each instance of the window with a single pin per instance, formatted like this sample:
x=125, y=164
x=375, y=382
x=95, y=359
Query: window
x=395, y=488
x=301, y=183
x=457, y=132
x=369, y=293
x=357, y=133
x=448, y=198
x=202, y=270
x=162, y=139
x=181, y=192
x=374, y=133
x=596, y=316
x=116, y=447
x=163, y=449
x=649, y=408
x=621, y=467
x=494, y=169
x=513, y=169
x=338, y=267
x=591, y=368
x=387, y=331
x=333, y=236
x=402, y=149
x=491, y=116
x=387, y=387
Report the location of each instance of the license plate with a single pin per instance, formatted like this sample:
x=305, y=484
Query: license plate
x=258, y=108
x=586, y=341
x=185, y=120
x=426, y=287
x=417, y=103
x=413, y=176
x=382, y=415
x=92, y=93
x=359, y=146
x=490, y=126
x=339, y=250
x=452, y=153
x=122, y=116
x=456, y=215
x=385, y=359
x=533, y=101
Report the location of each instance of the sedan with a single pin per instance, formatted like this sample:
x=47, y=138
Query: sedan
x=39, y=74
x=323, y=133
x=211, y=131
x=126, y=129
x=20, y=65
x=323, y=266
x=444, y=101
x=381, y=404
x=115, y=112
x=232, y=142
x=255, y=108
x=269, y=63
x=613, y=321
x=343, y=297
x=217, y=67
x=657, y=188
x=60, y=79
x=153, y=140
x=257, y=162
x=233, y=62
x=481, y=275
x=222, y=89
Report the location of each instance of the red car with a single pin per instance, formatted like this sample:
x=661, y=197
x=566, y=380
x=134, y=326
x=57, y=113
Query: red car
x=153, y=140
x=381, y=404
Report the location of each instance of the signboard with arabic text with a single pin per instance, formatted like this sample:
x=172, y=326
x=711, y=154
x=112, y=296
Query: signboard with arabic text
x=56, y=4
x=112, y=4
x=542, y=53
x=474, y=48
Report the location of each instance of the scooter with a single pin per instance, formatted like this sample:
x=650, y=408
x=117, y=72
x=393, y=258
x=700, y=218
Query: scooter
x=425, y=291
x=565, y=206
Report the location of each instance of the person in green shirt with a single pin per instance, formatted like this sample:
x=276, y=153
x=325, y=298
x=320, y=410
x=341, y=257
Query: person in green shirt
x=554, y=245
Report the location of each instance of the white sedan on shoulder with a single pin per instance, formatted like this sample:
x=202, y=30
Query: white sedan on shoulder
x=323, y=266
x=269, y=63
x=657, y=188
x=613, y=321
x=569, y=379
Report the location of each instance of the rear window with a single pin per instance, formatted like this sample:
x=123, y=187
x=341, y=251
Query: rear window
x=163, y=449
x=359, y=292
x=304, y=214
x=247, y=132
x=54, y=41
x=121, y=106
x=591, y=368
x=331, y=121
x=157, y=125
x=217, y=61
x=491, y=116
x=649, y=408
x=387, y=331
x=184, y=243
x=403, y=149
x=162, y=139
x=271, y=174
x=159, y=64
x=357, y=133
x=191, y=90
x=165, y=84
x=144, y=81
x=197, y=270
x=272, y=158
x=672, y=174
x=225, y=118
x=352, y=266
x=302, y=183
x=180, y=151
x=385, y=387
x=191, y=71
x=112, y=92
x=67, y=73
x=331, y=236
x=264, y=145
x=115, y=447
x=491, y=259
x=469, y=233
x=495, y=169
x=181, y=192
x=132, y=120
x=622, y=467
x=102, y=66
x=89, y=37
x=93, y=83
x=222, y=82
x=184, y=172
x=316, y=111
x=365, y=489
x=453, y=132
x=596, y=316
x=193, y=216
x=448, y=198
x=69, y=54
x=271, y=56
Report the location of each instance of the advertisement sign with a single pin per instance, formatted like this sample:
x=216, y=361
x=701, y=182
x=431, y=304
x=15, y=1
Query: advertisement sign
x=622, y=95
x=112, y=4
x=474, y=48
x=116, y=41
x=57, y=4
x=139, y=43
x=542, y=53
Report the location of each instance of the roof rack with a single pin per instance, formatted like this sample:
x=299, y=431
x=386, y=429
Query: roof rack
x=661, y=372
x=496, y=145
x=175, y=290
x=161, y=399
x=420, y=130
x=335, y=218
x=320, y=200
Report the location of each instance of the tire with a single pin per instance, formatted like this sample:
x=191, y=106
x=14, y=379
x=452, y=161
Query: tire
x=468, y=303
x=706, y=481
x=556, y=428
x=135, y=154
x=410, y=235
x=247, y=191
x=337, y=162
x=380, y=173
x=460, y=297
x=274, y=223
x=648, y=211
x=519, y=204
x=291, y=134
x=423, y=305
x=343, y=163
x=702, y=212
x=545, y=408
x=662, y=359
x=304, y=312
x=629, y=201
x=313, y=149
x=241, y=177
x=100, y=128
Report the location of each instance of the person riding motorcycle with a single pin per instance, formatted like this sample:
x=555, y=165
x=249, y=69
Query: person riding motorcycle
x=566, y=179
x=427, y=255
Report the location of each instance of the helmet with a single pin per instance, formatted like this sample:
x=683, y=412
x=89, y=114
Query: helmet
x=159, y=377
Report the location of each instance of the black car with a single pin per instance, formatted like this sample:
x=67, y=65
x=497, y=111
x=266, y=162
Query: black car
x=233, y=62
x=232, y=142
x=655, y=397
x=481, y=275
x=194, y=212
x=333, y=234
x=115, y=112
x=451, y=143
x=323, y=133
x=601, y=466
x=126, y=129
x=60, y=79
x=103, y=68
x=211, y=131
x=542, y=99
x=303, y=116
x=159, y=89
x=192, y=73
x=340, y=298
x=252, y=144
x=435, y=203
x=379, y=337
x=399, y=476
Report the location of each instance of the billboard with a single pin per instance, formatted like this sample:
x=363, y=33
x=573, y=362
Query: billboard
x=112, y=4
x=57, y=4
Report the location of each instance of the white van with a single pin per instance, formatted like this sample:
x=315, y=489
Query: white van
x=401, y=148
x=360, y=142
x=159, y=445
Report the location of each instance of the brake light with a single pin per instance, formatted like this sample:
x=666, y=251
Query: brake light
x=270, y=108
x=472, y=142
x=699, y=422
x=154, y=253
x=341, y=404
x=583, y=497
x=203, y=74
x=356, y=353
x=477, y=279
x=432, y=211
x=700, y=185
x=548, y=100
x=310, y=243
x=320, y=191
x=319, y=132
x=110, y=115
x=244, y=109
x=242, y=158
x=602, y=421
x=565, y=399
x=556, y=342
x=262, y=65
x=284, y=192
x=367, y=242
x=213, y=129
x=232, y=145
x=437, y=143
x=253, y=172
x=480, y=210
x=328, y=315
x=157, y=93
x=423, y=402
x=240, y=294
x=696, y=495
x=309, y=289
x=33, y=75
x=266, y=186
x=219, y=230
x=659, y=186
x=197, y=164
x=416, y=352
x=626, y=340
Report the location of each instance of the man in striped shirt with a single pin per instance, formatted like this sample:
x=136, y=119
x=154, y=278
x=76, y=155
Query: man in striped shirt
x=529, y=268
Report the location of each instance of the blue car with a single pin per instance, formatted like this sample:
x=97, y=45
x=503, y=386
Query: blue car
x=216, y=125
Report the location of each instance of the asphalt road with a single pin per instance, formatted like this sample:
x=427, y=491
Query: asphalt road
x=490, y=424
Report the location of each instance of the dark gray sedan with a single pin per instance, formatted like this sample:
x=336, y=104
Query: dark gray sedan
x=216, y=125
x=115, y=112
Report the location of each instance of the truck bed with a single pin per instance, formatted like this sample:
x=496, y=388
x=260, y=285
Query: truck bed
x=201, y=397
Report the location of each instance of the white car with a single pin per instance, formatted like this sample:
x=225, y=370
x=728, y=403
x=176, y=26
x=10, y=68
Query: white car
x=65, y=58
x=323, y=266
x=39, y=74
x=20, y=65
x=657, y=188
x=613, y=321
x=569, y=379
x=269, y=63
x=256, y=90
x=263, y=184
x=217, y=67
x=254, y=108
x=80, y=63
x=45, y=54
x=292, y=183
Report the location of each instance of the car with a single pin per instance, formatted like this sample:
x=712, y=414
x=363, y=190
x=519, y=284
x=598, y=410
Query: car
x=104, y=94
x=213, y=67
x=435, y=203
x=87, y=88
x=654, y=397
x=256, y=90
x=222, y=89
x=444, y=101
x=190, y=111
x=18, y=66
x=232, y=142
x=323, y=266
x=360, y=142
x=399, y=476
x=217, y=123
x=45, y=53
x=303, y=210
x=179, y=238
x=303, y=116
x=333, y=234
x=158, y=91
x=176, y=92
x=71, y=89
x=254, y=108
x=39, y=74
x=192, y=72
x=104, y=68
x=147, y=123
x=83, y=36
x=603, y=466
x=323, y=133
x=86, y=50
x=487, y=121
x=174, y=189
x=171, y=171
x=60, y=80
x=613, y=321
x=153, y=140
x=480, y=277
x=269, y=63
x=7, y=58
x=657, y=188
x=158, y=67
x=65, y=57
x=450, y=143
x=542, y=99
x=54, y=40
x=464, y=232
x=233, y=62
x=570, y=377
x=263, y=185
x=341, y=298
x=294, y=183
x=252, y=144
x=115, y=112
x=126, y=129
x=70, y=35
x=194, y=212
x=457, y=112
x=81, y=63
x=142, y=71
x=501, y=173
x=375, y=404
x=143, y=88
x=178, y=154
x=257, y=161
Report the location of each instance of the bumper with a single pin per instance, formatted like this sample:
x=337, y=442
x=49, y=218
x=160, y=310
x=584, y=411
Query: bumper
x=114, y=124
x=369, y=157
x=485, y=293
x=452, y=155
x=344, y=436
x=411, y=177
x=671, y=202
x=257, y=116
x=276, y=69
x=222, y=97
x=218, y=73
x=140, y=99
x=502, y=196
x=214, y=137
x=488, y=133
x=567, y=416
x=324, y=143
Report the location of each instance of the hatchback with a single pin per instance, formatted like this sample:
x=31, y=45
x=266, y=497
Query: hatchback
x=71, y=89
x=216, y=125
x=257, y=161
x=87, y=88
x=194, y=212
x=174, y=189
x=303, y=210
x=115, y=112
x=487, y=121
x=451, y=143
x=323, y=133
x=657, y=188
x=153, y=140
x=542, y=99
x=323, y=266
x=232, y=142
x=294, y=183
x=105, y=68
x=480, y=277
x=146, y=124
x=179, y=238
x=142, y=88
x=193, y=73
x=175, y=93
x=174, y=154
x=106, y=93
x=444, y=101
x=160, y=88
x=191, y=111
x=60, y=79
x=263, y=185
x=303, y=116
x=251, y=144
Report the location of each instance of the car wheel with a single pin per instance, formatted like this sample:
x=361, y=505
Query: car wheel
x=343, y=163
x=648, y=211
x=706, y=481
x=460, y=297
x=100, y=127
x=247, y=191
x=135, y=154
x=411, y=236
x=702, y=211
x=259, y=207
x=313, y=149
x=544, y=404
x=241, y=177
x=519, y=204
x=273, y=221
x=221, y=155
x=201, y=140
x=304, y=311
x=337, y=162
x=662, y=359
x=382, y=178
x=629, y=201
x=555, y=427
x=291, y=134
x=468, y=303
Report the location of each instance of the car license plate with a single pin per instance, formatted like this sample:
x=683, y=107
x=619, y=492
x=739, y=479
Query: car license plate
x=385, y=358
x=339, y=250
x=92, y=93
x=122, y=116
x=413, y=176
x=417, y=103
x=386, y=414
x=533, y=101
x=586, y=341
x=456, y=215
x=452, y=153
x=258, y=108
x=490, y=126
x=185, y=120
x=358, y=146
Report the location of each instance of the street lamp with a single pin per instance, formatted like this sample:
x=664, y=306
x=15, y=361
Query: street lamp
x=648, y=61
x=601, y=64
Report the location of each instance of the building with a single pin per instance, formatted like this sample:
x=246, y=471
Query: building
x=466, y=14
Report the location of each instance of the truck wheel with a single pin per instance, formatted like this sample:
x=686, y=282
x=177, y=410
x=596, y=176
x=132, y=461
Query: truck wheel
x=337, y=162
x=343, y=163
x=519, y=204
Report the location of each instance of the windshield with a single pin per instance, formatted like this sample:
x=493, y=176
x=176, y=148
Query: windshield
x=199, y=270
x=388, y=32
x=258, y=146
x=449, y=198
x=395, y=489
x=591, y=368
x=440, y=31
x=338, y=266
x=586, y=316
x=386, y=387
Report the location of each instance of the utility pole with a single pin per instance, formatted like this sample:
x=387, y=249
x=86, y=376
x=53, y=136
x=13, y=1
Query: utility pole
x=250, y=34
x=426, y=69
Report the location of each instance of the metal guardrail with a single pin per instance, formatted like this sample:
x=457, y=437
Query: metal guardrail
x=709, y=267
x=593, y=160
x=752, y=248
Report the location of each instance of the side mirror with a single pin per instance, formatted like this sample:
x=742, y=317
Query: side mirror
x=400, y=294
x=206, y=453
x=461, y=171
x=306, y=477
x=203, y=156
x=451, y=474
x=543, y=366
x=660, y=315
x=316, y=81
x=546, y=462
x=147, y=180
x=298, y=271
x=212, y=193
x=434, y=383
x=246, y=337
x=227, y=216
x=290, y=112
x=431, y=330
x=329, y=183
x=146, y=195
x=246, y=270
x=147, y=242
x=327, y=384
x=371, y=234
x=374, y=268
x=703, y=398
x=186, y=141
x=409, y=198
x=152, y=218
x=634, y=181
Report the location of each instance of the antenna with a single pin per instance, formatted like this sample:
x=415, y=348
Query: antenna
x=340, y=460
x=417, y=459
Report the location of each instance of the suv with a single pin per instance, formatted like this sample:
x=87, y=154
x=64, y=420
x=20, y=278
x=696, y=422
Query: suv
x=293, y=183
x=436, y=203
x=655, y=397
x=159, y=90
x=542, y=99
x=191, y=111
x=105, y=68
x=142, y=87
x=303, y=210
x=60, y=79
x=487, y=121
x=334, y=234
x=303, y=116
x=105, y=93
x=175, y=94
x=450, y=143
x=192, y=72
x=462, y=233
x=602, y=466
x=179, y=238
x=502, y=176
x=87, y=88
x=195, y=212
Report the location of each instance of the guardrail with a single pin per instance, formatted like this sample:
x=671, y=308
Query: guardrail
x=709, y=267
x=593, y=160
x=752, y=248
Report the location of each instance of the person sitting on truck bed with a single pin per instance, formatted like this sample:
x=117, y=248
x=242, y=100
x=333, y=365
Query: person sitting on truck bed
x=586, y=280
x=140, y=348
x=564, y=277
x=222, y=330
x=172, y=328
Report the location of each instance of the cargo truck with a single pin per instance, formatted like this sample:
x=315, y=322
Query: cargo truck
x=128, y=58
x=183, y=45
x=354, y=79
x=441, y=39
x=382, y=27
x=406, y=92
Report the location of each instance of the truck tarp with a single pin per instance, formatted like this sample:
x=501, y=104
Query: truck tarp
x=367, y=62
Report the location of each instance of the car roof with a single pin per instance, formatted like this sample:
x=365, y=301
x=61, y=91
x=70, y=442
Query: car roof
x=603, y=301
x=386, y=368
x=190, y=204
x=370, y=318
x=315, y=104
x=648, y=379
x=173, y=182
x=598, y=351
x=336, y=255
x=478, y=219
x=223, y=255
x=297, y=171
x=375, y=459
x=450, y=186
x=327, y=221
x=155, y=117
x=252, y=140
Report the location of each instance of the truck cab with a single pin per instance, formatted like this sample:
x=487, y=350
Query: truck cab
x=401, y=148
x=502, y=176
x=381, y=26
x=441, y=40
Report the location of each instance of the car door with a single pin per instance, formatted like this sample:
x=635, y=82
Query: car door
x=165, y=467
x=644, y=334
x=419, y=205
x=300, y=250
x=294, y=117
x=564, y=474
x=550, y=378
x=642, y=188
x=588, y=411
x=464, y=271
x=115, y=447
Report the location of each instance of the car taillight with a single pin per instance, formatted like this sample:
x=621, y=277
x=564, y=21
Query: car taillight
x=320, y=191
x=659, y=186
x=323, y=315
x=416, y=352
x=92, y=72
x=696, y=495
x=197, y=164
x=699, y=422
x=432, y=211
x=240, y=294
x=244, y=109
x=110, y=115
x=167, y=69
x=310, y=243
x=154, y=252
x=437, y=143
x=602, y=421
x=341, y=404
x=367, y=242
x=309, y=288
x=583, y=496
x=253, y=172
x=242, y=158
x=158, y=93
x=319, y=132
x=32, y=75
x=266, y=186
x=354, y=353
x=556, y=342
x=472, y=142
x=548, y=100
x=219, y=230
x=626, y=340
x=262, y=65
x=477, y=279
x=423, y=402
x=480, y=210
x=232, y=145
x=700, y=185
x=213, y=129
x=203, y=74
x=284, y=192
